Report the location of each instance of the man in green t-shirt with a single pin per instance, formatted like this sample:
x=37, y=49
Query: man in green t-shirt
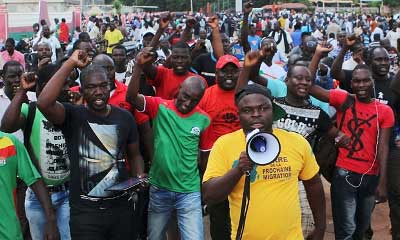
x=178, y=126
x=15, y=161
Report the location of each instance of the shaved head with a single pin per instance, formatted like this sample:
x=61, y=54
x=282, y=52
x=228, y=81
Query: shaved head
x=107, y=63
x=194, y=82
x=102, y=58
x=190, y=93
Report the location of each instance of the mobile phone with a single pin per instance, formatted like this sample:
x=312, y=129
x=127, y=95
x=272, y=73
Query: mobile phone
x=128, y=184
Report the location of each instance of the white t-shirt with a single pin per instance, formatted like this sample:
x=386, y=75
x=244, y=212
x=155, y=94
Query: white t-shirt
x=317, y=34
x=94, y=32
x=379, y=31
x=349, y=64
x=120, y=76
x=5, y=102
x=393, y=36
x=281, y=45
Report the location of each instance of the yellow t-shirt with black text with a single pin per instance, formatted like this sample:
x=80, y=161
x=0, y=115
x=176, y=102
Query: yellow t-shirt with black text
x=274, y=209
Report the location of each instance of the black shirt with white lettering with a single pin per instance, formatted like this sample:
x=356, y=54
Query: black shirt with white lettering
x=305, y=120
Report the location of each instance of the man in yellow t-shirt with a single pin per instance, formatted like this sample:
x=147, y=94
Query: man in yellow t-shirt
x=113, y=37
x=274, y=209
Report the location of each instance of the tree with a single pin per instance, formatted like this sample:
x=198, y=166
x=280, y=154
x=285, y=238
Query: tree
x=392, y=3
x=117, y=6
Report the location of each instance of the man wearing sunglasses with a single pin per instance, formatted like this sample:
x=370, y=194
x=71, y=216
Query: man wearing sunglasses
x=306, y=48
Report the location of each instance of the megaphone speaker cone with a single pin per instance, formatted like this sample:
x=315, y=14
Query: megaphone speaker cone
x=263, y=148
x=258, y=144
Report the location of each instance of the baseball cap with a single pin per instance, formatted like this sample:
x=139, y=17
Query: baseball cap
x=278, y=112
x=148, y=32
x=222, y=61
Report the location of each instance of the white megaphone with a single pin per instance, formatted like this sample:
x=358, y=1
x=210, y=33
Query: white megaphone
x=262, y=148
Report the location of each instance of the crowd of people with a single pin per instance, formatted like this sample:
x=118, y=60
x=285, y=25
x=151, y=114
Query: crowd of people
x=172, y=98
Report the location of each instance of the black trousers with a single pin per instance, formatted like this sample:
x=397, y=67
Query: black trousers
x=393, y=178
x=21, y=189
x=220, y=221
x=105, y=222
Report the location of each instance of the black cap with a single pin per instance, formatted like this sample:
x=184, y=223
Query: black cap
x=278, y=112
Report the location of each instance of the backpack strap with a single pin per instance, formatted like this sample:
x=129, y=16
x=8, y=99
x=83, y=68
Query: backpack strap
x=29, y=123
x=349, y=102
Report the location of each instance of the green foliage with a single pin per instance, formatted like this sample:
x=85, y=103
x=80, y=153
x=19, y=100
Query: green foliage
x=392, y=3
x=117, y=6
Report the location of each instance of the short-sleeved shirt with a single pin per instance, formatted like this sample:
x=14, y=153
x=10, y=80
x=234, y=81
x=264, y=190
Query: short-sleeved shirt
x=17, y=56
x=48, y=149
x=279, y=89
x=113, y=37
x=220, y=106
x=296, y=36
x=305, y=120
x=274, y=188
x=383, y=94
x=14, y=161
x=118, y=99
x=254, y=42
x=97, y=150
x=177, y=138
x=204, y=65
x=63, y=32
x=167, y=82
x=280, y=41
x=382, y=88
x=361, y=123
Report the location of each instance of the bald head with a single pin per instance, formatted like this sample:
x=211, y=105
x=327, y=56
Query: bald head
x=107, y=63
x=194, y=82
x=190, y=93
x=44, y=44
x=102, y=58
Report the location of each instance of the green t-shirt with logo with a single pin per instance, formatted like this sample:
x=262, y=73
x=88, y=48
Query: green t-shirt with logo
x=14, y=161
x=49, y=149
x=177, y=138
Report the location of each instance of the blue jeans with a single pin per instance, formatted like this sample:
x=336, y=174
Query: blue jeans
x=352, y=207
x=188, y=211
x=37, y=217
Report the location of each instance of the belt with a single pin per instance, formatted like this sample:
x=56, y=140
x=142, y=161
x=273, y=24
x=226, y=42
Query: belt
x=59, y=188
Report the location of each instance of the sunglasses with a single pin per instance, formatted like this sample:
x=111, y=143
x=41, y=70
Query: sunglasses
x=311, y=44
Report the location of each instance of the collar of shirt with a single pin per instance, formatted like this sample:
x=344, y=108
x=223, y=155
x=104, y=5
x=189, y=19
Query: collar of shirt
x=119, y=87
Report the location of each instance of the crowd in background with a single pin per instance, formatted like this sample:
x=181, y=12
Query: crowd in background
x=171, y=98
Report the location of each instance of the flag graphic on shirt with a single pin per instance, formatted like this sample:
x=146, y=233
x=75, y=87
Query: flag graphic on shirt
x=7, y=149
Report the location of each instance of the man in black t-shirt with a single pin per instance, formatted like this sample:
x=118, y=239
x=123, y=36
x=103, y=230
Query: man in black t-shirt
x=204, y=64
x=99, y=138
x=307, y=120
